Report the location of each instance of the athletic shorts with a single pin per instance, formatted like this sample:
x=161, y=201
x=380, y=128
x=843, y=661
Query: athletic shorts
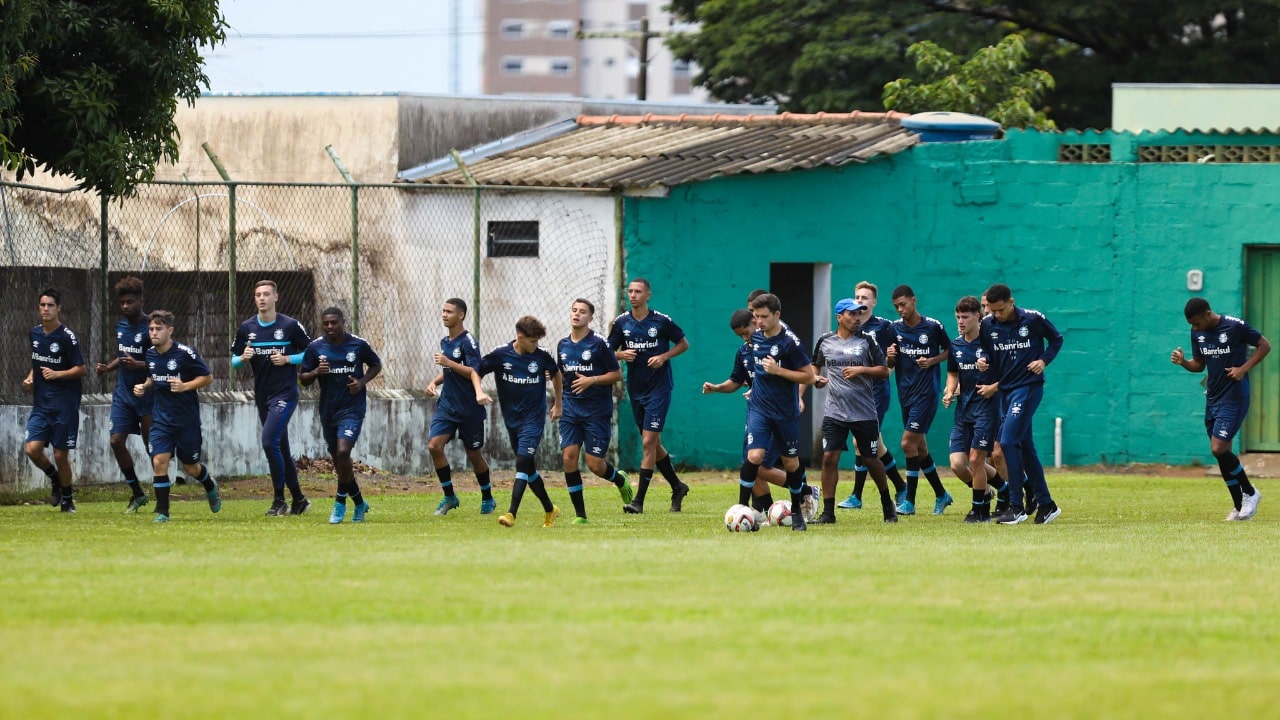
x=883, y=400
x=127, y=411
x=58, y=428
x=592, y=433
x=470, y=430
x=346, y=427
x=866, y=436
x=980, y=433
x=1223, y=420
x=525, y=438
x=184, y=443
x=764, y=433
x=772, y=456
x=650, y=412
x=918, y=417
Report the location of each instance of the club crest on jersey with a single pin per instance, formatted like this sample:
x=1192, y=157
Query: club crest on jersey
x=351, y=357
x=924, y=339
x=773, y=351
x=54, y=347
x=279, y=334
x=137, y=337
x=533, y=367
x=586, y=354
x=1024, y=331
x=653, y=332
x=1222, y=338
x=457, y=353
x=172, y=365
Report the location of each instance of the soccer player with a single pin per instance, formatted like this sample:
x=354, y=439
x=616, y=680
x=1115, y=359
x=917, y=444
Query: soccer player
x=55, y=383
x=176, y=373
x=774, y=409
x=588, y=369
x=1019, y=344
x=977, y=418
x=647, y=340
x=129, y=415
x=460, y=410
x=856, y=362
x=273, y=344
x=344, y=364
x=521, y=369
x=920, y=346
x=879, y=330
x=1220, y=344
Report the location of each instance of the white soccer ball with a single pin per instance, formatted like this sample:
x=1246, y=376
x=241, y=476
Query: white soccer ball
x=780, y=513
x=740, y=518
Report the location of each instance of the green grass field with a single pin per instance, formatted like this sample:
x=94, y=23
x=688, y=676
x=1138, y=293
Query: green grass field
x=1138, y=602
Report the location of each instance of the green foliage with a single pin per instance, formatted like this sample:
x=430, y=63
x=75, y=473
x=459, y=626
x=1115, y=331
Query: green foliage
x=991, y=83
x=88, y=88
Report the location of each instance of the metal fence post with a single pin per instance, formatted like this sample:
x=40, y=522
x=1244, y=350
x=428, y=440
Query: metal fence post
x=231, y=241
x=106, y=285
x=475, y=241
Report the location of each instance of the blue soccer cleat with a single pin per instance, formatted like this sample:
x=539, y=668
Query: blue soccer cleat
x=361, y=510
x=339, y=512
x=940, y=505
x=906, y=507
x=447, y=504
x=853, y=502
x=215, y=500
x=488, y=506
x=160, y=517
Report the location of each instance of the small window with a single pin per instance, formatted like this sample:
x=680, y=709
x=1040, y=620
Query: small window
x=513, y=238
x=512, y=29
x=680, y=67
x=512, y=65
x=561, y=66
x=560, y=29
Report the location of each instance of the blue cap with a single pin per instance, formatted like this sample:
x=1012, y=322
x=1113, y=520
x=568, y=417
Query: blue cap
x=849, y=305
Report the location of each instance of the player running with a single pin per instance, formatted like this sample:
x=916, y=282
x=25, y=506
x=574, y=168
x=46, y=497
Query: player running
x=977, y=418
x=129, y=415
x=55, y=383
x=921, y=346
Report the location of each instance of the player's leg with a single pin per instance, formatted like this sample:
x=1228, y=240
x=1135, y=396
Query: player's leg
x=341, y=468
x=443, y=428
x=65, y=431
x=833, y=446
x=596, y=441
x=300, y=501
x=162, y=450
x=1037, y=485
x=1223, y=422
x=270, y=448
x=866, y=439
x=1013, y=441
x=39, y=430
x=472, y=433
x=787, y=433
x=910, y=445
x=572, y=456
x=188, y=453
x=981, y=493
x=922, y=420
x=959, y=452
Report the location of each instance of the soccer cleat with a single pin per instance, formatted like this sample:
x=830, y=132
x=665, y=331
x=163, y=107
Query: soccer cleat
x=161, y=517
x=633, y=508
x=798, y=524
x=891, y=518
x=67, y=506
x=977, y=516
x=339, y=512
x=488, y=506
x=677, y=497
x=901, y=496
x=940, y=505
x=579, y=521
x=549, y=517
x=136, y=502
x=1249, y=504
x=215, y=500
x=1012, y=516
x=55, y=496
x=1047, y=514
x=1030, y=504
x=361, y=511
x=507, y=520
x=450, y=502
x=279, y=508
x=824, y=519
x=853, y=502
x=810, y=506
x=1234, y=516
x=300, y=506
x=906, y=507
x=625, y=490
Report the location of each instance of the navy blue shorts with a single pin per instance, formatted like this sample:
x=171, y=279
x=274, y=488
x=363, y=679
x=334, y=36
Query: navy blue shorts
x=980, y=433
x=345, y=427
x=772, y=456
x=592, y=433
x=471, y=429
x=1223, y=420
x=183, y=443
x=883, y=400
x=866, y=436
x=764, y=433
x=918, y=418
x=525, y=438
x=127, y=411
x=58, y=428
x=650, y=412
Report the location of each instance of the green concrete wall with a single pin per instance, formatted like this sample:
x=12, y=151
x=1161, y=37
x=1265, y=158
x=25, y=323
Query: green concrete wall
x=1101, y=249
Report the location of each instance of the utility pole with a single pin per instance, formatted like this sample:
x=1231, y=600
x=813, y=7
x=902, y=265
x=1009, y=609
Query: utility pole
x=642, y=80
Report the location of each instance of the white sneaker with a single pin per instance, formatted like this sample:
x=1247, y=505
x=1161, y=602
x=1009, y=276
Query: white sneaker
x=810, y=506
x=1235, y=516
x=1249, y=504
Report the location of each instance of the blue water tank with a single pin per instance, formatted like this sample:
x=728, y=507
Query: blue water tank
x=951, y=127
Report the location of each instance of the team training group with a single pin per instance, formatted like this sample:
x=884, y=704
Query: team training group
x=995, y=380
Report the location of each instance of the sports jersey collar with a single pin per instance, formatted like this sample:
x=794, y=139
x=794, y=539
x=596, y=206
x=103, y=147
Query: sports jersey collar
x=262, y=324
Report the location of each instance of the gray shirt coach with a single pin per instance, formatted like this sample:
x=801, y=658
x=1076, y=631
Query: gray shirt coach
x=851, y=400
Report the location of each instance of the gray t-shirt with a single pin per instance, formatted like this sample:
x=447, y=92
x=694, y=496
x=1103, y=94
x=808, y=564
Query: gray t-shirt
x=852, y=400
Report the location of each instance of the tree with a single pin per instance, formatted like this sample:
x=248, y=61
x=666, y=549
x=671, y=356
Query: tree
x=88, y=88
x=991, y=83
x=759, y=50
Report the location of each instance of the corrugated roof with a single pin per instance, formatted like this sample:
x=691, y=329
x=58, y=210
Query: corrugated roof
x=619, y=152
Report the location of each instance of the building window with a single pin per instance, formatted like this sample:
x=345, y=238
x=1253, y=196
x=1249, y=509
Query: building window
x=513, y=238
x=512, y=65
x=561, y=66
x=560, y=29
x=512, y=29
x=680, y=68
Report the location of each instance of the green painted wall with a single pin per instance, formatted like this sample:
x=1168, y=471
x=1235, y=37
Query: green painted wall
x=1101, y=249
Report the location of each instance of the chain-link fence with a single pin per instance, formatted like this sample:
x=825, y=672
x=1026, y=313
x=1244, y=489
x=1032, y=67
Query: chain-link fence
x=388, y=255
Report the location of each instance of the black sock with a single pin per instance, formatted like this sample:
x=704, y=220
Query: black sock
x=161, y=485
x=68, y=492
x=486, y=489
x=611, y=474
x=747, y=481
x=540, y=491
x=669, y=472
x=574, y=481
x=997, y=483
x=795, y=484
x=859, y=479
x=980, y=502
x=517, y=493
x=646, y=477
x=913, y=478
x=931, y=473
x=353, y=492
x=131, y=477
x=891, y=471
x=828, y=506
x=762, y=502
x=51, y=472
x=446, y=480
x=205, y=481
x=1234, y=476
x=343, y=493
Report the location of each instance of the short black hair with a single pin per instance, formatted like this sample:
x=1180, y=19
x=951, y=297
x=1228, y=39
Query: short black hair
x=998, y=293
x=643, y=282
x=740, y=318
x=50, y=292
x=590, y=305
x=1196, y=307
x=755, y=294
x=130, y=285
x=902, y=291
x=767, y=300
x=333, y=310
x=458, y=303
x=969, y=304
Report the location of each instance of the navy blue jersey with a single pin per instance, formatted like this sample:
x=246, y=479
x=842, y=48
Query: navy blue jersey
x=880, y=330
x=284, y=334
x=771, y=395
x=132, y=340
x=592, y=357
x=59, y=350
x=1018, y=343
x=522, y=382
x=744, y=366
x=651, y=336
x=179, y=362
x=348, y=359
x=964, y=362
x=457, y=396
x=925, y=339
x=1225, y=346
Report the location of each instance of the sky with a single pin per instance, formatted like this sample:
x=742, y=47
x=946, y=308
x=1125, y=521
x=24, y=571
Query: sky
x=306, y=46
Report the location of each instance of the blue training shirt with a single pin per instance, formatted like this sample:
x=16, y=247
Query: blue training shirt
x=773, y=396
x=179, y=362
x=964, y=362
x=927, y=338
x=284, y=334
x=348, y=359
x=591, y=357
x=132, y=340
x=457, y=396
x=1225, y=346
x=58, y=350
x=522, y=382
x=649, y=337
x=1015, y=344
